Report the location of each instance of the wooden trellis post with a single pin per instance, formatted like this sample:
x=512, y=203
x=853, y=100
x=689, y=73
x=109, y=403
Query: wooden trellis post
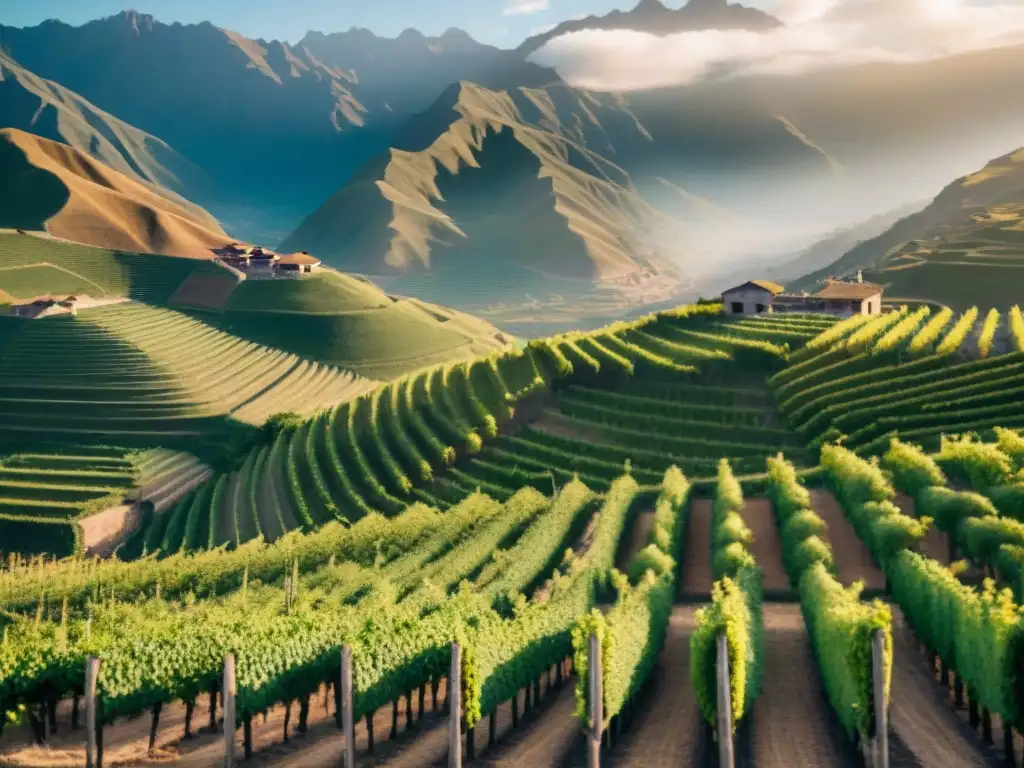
x=455, y=709
x=92, y=674
x=881, y=707
x=229, y=711
x=726, y=757
x=596, y=702
x=348, y=719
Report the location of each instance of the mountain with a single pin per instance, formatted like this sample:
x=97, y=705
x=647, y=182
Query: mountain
x=653, y=17
x=52, y=186
x=45, y=108
x=274, y=126
x=830, y=248
x=966, y=247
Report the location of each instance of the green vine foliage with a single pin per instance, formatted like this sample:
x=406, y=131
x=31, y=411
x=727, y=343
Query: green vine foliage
x=632, y=632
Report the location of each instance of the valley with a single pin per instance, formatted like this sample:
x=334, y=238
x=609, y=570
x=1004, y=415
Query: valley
x=638, y=389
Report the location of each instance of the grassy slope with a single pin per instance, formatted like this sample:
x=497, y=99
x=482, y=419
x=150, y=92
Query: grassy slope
x=344, y=321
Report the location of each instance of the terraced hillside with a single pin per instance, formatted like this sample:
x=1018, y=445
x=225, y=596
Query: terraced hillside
x=431, y=509
x=63, y=503
x=131, y=374
x=347, y=321
x=565, y=406
x=36, y=265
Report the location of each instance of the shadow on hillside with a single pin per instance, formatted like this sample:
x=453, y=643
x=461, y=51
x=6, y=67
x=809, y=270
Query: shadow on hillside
x=29, y=195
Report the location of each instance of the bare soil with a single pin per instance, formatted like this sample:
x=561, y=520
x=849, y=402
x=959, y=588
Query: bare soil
x=936, y=543
x=791, y=723
x=697, y=575
x=635, y=539
x=102, y=532
x=921, y=714
x=767, y=546
x=852, y=558
x=665, y=731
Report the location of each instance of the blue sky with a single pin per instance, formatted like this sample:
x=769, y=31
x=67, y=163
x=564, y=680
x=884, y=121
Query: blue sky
x=491, y=21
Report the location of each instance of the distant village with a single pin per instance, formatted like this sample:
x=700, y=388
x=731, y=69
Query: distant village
x=257, y=261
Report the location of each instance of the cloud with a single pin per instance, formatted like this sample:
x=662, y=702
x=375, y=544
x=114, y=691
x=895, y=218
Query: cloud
x=525, y=7
x=818, y=34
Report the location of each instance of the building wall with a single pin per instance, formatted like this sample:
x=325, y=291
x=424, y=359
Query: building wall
x=749, y=298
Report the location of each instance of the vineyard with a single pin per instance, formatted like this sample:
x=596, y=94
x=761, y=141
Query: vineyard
x=819, y=523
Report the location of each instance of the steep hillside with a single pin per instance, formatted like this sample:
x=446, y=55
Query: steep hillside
x=966, y=247
x=48, y=109
x=52, y=186
x=652, y=16
x=275, y=126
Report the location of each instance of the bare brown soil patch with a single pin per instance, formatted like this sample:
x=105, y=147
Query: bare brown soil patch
x=102, y=532
x=767, y=547
x=697, y=575
x=791, y=723
x=921, y=713
x=666, y=729
x=851, y=554
x=205, y=291
x=935, y=543
x=636, y=539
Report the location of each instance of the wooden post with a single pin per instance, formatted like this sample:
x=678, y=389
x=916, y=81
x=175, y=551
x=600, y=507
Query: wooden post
x=228, y=706
x=346, y=703
x=726, y=757
x=92, y=674
x=455, y=709
x=881, y=705
x=596, y=702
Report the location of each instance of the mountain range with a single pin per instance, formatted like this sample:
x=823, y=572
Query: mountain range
x=419, y=159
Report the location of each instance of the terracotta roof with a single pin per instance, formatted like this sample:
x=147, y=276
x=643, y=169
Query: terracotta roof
x=853, y=291
x=301, y=259
x=764, y=285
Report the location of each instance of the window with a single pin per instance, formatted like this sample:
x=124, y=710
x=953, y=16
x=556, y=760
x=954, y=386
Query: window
x=761, y=308
x=737, y=307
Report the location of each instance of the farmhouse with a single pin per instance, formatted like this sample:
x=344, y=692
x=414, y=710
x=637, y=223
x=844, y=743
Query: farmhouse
x=298, y=263
x=847, y=299
x=751, y=298
x=838, y=298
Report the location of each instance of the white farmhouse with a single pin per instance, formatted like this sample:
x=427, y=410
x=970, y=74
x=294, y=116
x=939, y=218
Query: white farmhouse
x=754, y=297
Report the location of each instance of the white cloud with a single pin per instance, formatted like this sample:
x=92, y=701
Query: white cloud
x=525, y=7
x=819, y=34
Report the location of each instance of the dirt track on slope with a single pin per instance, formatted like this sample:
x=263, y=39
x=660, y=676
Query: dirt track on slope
x=936, y=543
x=921, y=715
x=791, y=722
x=696, y=573
x=666, y=729
x=851, y=554
x=767, y=547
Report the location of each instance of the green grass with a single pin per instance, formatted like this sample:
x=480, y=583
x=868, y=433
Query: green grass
x=957, y=286
x=324, y=292
x=43, y=279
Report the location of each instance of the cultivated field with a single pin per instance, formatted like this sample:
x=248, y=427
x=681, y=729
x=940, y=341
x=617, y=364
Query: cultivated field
x=658, y=483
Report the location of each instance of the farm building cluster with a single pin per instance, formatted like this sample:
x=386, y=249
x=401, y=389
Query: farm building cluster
x=48, y=306
x=257, y=261
x=839, y=298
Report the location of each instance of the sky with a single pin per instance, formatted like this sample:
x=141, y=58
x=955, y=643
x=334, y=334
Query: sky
x=504, y=23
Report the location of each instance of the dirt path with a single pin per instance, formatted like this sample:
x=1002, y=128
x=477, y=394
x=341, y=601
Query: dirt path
x=549, y=737
x=920, y=713
x=697, y=576
x=851, y=554
x=936, y=543
x=635, y=539
x=553, y=423
x=666, y=729
x=791, y=723
x=767, y=546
